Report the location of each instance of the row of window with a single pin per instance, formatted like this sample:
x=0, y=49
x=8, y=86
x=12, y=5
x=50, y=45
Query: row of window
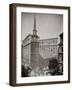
x=49, y=50
x=49, y=41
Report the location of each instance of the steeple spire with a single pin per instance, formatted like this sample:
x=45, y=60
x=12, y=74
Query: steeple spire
x=34, y=29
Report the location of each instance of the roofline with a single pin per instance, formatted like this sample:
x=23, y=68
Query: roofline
x=27, y=36
x=47, y=39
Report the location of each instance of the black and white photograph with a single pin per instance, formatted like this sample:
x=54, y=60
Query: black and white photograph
x=41, y=44
x=40, y=53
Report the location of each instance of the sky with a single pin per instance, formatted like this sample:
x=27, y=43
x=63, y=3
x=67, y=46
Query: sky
x=47, y=25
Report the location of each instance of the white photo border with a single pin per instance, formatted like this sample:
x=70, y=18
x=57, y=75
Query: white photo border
x=63, y=12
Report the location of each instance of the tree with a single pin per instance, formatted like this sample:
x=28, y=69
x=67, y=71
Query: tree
x=53, y=66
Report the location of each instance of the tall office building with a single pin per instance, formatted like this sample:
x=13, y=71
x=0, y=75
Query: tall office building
x=36, y=52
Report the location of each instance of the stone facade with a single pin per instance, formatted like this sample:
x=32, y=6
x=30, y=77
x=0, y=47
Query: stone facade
x=48, y=47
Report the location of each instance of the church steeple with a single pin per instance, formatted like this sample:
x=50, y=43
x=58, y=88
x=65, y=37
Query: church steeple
x=34, y=29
